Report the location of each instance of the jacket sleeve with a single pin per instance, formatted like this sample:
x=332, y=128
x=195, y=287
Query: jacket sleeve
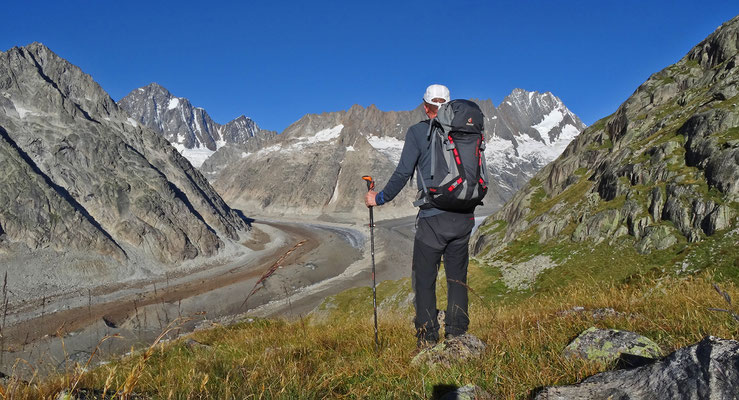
x=408, y=159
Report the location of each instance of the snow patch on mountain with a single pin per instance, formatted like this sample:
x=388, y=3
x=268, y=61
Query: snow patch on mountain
x=497, y=150
x=335, y=195
x=323, y=135
x=174, y=102
x=269, y=149
x=532, y=149
x=389, y=146
x=549, y=122
x=196, y=156
x=569, y=133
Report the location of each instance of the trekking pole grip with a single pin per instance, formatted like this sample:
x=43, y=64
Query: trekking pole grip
x=370, y=182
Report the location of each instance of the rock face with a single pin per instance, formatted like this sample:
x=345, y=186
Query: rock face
x=190, y=129
x=315, y=165
x=81, y=180
x=662, y=170
x=707, y=370
x=607, y=345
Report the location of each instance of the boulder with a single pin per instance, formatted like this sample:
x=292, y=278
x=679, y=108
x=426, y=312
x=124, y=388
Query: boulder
x=458, y=348
x=657, y=237
x=706, y=370
x=607, y=345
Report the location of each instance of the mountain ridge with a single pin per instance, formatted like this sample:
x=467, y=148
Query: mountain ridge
x=658, y=174
x=190, y=129
x=368, y=140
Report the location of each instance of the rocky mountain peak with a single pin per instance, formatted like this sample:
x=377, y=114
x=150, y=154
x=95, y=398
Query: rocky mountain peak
x=85, y=187
x=719, y=47
x=64, y=78
x=190, y=129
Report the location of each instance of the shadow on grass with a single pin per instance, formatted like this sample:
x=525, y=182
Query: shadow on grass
x=440, y=391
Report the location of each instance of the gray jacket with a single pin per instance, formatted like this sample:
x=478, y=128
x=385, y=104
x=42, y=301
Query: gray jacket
x=416, y=151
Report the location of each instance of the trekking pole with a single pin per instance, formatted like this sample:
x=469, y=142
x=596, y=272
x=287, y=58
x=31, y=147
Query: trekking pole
x=371, y=186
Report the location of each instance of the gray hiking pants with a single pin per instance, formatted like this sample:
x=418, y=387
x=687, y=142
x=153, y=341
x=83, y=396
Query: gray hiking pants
x=446, y=234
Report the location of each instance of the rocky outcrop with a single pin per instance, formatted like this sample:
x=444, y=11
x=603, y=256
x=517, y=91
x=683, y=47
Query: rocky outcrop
x=77, y=174
x=662, y=170
x=707, y=370
x=607, y=345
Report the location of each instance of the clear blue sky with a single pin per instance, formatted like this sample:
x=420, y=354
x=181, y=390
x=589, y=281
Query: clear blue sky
x=276, y=61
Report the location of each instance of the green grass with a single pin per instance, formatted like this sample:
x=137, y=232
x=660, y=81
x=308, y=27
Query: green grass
x=277, y=359
x=494, y=227
x=729, y=135
x=581, y=172
x=599, y=125
x=570, y=196
x=538, y=196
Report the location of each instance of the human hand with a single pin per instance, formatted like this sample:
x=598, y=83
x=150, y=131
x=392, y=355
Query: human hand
x=369, y=198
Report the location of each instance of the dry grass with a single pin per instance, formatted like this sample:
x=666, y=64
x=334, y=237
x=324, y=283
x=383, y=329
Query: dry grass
x=280, y=359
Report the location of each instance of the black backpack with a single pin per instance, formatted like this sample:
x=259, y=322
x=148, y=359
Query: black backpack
x=458, y=173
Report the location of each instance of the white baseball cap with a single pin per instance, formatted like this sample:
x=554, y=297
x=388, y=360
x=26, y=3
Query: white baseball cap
x=436, y=91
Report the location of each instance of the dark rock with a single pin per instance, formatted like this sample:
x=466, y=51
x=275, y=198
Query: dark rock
x=722, y=172
x=606, y=345
x=706, y=370
x=468, y=392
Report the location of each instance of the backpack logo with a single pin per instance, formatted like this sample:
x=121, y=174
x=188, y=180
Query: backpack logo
x=469, y=121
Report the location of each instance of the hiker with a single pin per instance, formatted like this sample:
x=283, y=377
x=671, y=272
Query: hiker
x=438, y=232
